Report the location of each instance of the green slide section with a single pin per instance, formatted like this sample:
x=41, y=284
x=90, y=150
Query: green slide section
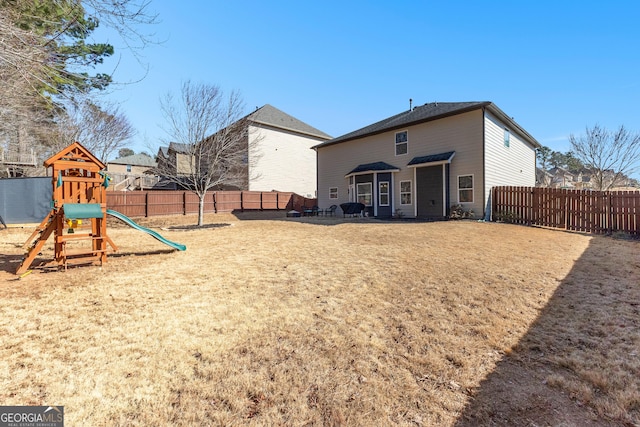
x=82, y=210
x=131, y=223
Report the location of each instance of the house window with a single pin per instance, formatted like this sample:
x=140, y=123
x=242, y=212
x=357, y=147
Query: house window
x=363, y=190
x=405, y=192
x=383, y=193
x=465, y=188
x=402, y=144
x=333, y=192
x=128, y=168
x=507, y=137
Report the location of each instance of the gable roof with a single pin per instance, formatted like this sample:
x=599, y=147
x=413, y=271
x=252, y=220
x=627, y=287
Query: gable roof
x=176, y=147
x=373, y=167
x=271, y=116
x=425, y=113
x=134, y=160
x=75, y=152
x=433, y=158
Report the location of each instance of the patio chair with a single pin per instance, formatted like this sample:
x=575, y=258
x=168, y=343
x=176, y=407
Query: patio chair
x=331, y=210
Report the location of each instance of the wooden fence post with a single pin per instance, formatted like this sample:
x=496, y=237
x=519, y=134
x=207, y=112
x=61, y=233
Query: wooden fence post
x=609, y=212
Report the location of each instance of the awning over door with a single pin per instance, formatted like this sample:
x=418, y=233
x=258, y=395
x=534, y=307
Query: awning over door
x=372, y=167
x=432, y=160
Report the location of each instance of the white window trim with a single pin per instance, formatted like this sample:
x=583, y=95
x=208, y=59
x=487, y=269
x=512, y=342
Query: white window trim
x=395, y=143
x=380, y=193
x=333, y=194
x=506, y=138
x=473, y=183
x=370, y=192
x=410, y=192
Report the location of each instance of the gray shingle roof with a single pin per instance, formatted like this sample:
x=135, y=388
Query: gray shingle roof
x=373, y=167
x=271, y=116
x=442, y=157
x=134, y=160
x=180, y=148
x=425, y=113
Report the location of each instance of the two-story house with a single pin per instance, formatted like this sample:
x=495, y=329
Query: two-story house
x=280, y=157
x=421, y=162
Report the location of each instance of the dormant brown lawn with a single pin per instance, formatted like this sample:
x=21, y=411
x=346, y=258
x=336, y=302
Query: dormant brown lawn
x=329, y=322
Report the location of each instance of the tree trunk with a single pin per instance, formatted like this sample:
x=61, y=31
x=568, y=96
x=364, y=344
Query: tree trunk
x=201, y=209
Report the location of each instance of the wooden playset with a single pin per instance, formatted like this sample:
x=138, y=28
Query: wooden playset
x=79, y=203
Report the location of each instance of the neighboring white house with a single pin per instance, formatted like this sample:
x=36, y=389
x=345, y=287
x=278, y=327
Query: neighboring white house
x=422, y=161
x=283, y=159
x=280, y=157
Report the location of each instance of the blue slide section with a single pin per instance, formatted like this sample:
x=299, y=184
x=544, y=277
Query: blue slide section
x=131, y=223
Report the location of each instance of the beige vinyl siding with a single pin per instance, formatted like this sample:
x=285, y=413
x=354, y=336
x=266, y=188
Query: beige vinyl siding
x=282, y=161
x=335, y=161
x=135, y=169
x=513, y=165
x=184, y=164
x=461, y=133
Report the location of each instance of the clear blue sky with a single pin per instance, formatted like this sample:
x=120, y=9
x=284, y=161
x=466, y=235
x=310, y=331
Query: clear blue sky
x=554, y=66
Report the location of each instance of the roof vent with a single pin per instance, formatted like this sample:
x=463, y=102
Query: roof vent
x=410, y=104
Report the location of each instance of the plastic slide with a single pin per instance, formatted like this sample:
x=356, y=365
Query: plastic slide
x=133, y=224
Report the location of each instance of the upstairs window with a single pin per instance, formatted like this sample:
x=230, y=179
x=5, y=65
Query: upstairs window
x=128, y=168
x=507, y=137
x=402, y=143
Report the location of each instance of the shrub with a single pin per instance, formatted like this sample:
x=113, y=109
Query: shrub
x=458, y=212
x=505, y=217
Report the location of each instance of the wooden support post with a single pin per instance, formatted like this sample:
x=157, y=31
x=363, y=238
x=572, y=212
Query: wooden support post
x=36, y=248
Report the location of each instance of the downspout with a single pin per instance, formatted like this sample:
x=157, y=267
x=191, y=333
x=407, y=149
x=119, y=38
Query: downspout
x=486, y=215
x=317, y=176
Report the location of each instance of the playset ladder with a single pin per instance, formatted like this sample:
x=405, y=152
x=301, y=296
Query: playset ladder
x=44, y=230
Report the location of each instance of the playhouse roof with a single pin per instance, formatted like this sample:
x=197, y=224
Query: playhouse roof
x=75, y=152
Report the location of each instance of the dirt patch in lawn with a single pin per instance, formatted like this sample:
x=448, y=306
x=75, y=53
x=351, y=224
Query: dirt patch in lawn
x=317, y=321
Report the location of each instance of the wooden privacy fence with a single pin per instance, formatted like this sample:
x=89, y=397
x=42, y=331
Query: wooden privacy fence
x=153, y=203
x=578, y=210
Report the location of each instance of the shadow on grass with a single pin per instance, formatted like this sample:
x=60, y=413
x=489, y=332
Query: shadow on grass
x=193, y=227
x=578, y=364
x=10, y=263
x=336, y=219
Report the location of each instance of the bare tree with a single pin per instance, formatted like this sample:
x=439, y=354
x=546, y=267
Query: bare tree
x=209, y=138
x=102, y=129
x=610, y=156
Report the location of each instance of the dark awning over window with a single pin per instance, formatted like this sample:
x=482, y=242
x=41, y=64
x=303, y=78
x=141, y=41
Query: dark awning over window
x=373, y=167
x=433, y=158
